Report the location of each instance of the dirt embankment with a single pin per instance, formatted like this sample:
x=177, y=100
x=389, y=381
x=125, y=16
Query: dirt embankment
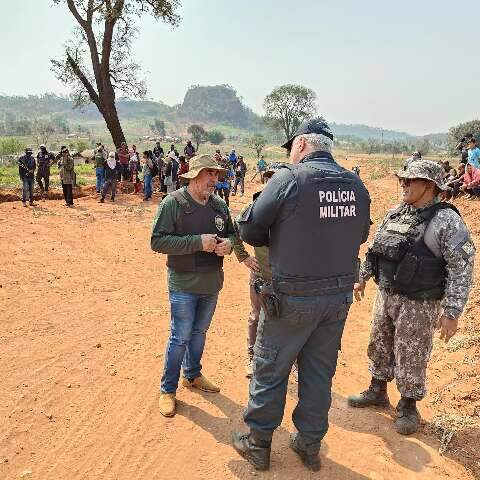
x=85, y=321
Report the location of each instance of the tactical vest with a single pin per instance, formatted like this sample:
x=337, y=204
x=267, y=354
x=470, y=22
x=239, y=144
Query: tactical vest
x=99, y=159
x=43, y=162
x=197, y=219
x=314, y=251
x=402, y=261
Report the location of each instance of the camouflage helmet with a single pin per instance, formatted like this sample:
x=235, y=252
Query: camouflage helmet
x=426, y=170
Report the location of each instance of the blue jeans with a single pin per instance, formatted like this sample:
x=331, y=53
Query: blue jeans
x=147, y=186
x=191, y=314
x=27, y=188
x=100, y=173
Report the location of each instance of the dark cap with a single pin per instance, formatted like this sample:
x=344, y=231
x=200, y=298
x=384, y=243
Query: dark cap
x=314, y=125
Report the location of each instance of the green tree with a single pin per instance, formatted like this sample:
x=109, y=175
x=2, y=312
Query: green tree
x=10, y=146
x=287, y=106
x=97, y=63
x=423, y=146
x=257, y=142
x=215, y=137
x=198, y=134
x=456, y=133
x=158, y=127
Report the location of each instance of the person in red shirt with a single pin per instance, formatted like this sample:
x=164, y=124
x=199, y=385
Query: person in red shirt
x=471, y=182
x=124, y=158
x=183, y=168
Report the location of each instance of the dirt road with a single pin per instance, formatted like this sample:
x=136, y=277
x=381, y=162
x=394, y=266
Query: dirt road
x=84, y=324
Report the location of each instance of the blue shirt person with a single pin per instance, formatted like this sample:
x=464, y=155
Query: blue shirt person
x=473, y=153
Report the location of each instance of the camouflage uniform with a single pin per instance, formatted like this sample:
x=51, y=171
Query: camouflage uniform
x=402, y=329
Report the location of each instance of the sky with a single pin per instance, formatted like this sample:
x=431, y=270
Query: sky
x=408, y=65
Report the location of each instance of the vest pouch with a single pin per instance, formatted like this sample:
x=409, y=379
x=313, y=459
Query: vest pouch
x=391, y=247
x=406, y=269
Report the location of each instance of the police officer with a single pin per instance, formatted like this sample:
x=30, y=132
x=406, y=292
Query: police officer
x=313, y=215
x=422, y=261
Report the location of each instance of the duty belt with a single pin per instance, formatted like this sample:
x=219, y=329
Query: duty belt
x=326, y=286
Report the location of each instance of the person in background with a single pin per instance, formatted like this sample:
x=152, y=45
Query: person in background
x=224, y=184
x=189, y=150
x=124, y=158
x=414, y=158
x=462, y=147
x=99, y=163
x=471, y=183
x=158, y=151
x=66, y=168
x=260, y=274
x=147, y=167
x=455, y=182
x=134, y=163
x=182, y=169
x=171, y=172
x=232, y=158
x=172, y=148
x=26, y=171
x=473, y=153
x=261, y=168
x=240, y=172
x=44, y=162
x=218, y=158
x=112, y=170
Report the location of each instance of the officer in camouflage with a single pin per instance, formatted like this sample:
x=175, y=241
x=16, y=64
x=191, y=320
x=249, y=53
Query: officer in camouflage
x=422, y=260
x=313, y=215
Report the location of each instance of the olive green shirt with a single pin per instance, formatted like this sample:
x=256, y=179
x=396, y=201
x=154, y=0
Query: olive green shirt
x=164, y=240
x=261, y=254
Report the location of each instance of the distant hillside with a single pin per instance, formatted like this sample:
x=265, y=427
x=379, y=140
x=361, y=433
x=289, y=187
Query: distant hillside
x=365, y=132
x=217, y=105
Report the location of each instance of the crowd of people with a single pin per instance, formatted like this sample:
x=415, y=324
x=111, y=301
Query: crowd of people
x=129, y=165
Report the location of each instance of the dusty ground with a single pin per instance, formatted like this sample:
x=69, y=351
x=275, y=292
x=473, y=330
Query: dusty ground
x=84, y=324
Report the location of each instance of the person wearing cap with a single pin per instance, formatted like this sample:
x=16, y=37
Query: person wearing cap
x=421, y=259
x=194, y=229
x=44, y=162
x=171, y=172
x=26, y=171
x=313, y=215
x=66, y=169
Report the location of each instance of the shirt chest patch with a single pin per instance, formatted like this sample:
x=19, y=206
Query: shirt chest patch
x=219, y=223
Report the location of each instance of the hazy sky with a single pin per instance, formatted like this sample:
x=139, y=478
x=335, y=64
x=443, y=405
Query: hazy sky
x=409, y=65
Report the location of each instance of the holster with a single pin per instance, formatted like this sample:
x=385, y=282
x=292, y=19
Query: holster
x=269, y=301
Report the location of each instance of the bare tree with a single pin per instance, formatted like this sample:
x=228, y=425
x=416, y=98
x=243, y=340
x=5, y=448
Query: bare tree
x=97, y=63
x=287, y=106
x=42, y=130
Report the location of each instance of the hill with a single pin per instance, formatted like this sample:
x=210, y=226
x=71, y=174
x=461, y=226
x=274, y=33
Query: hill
x=212, y=106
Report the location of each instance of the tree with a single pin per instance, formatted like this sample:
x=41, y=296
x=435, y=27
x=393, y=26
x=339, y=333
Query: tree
x=97, y=63
x=42, y=130
x=158, y=127
x=373, y=146
x=257, y=142
x=423, y=146
x=456, y=133
x=215, y=137
x=287, y=106
x=198, y=134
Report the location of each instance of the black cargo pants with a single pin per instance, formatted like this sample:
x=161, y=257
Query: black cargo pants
x=308, y=329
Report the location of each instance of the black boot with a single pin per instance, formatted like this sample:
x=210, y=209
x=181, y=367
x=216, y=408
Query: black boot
x=102, y=200
x=256, y=452
x=307, y=453
x=408, y=417
x=375, y=395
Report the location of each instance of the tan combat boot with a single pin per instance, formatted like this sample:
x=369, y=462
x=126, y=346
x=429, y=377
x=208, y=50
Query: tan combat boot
x=166, y=404
x=201, y=383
